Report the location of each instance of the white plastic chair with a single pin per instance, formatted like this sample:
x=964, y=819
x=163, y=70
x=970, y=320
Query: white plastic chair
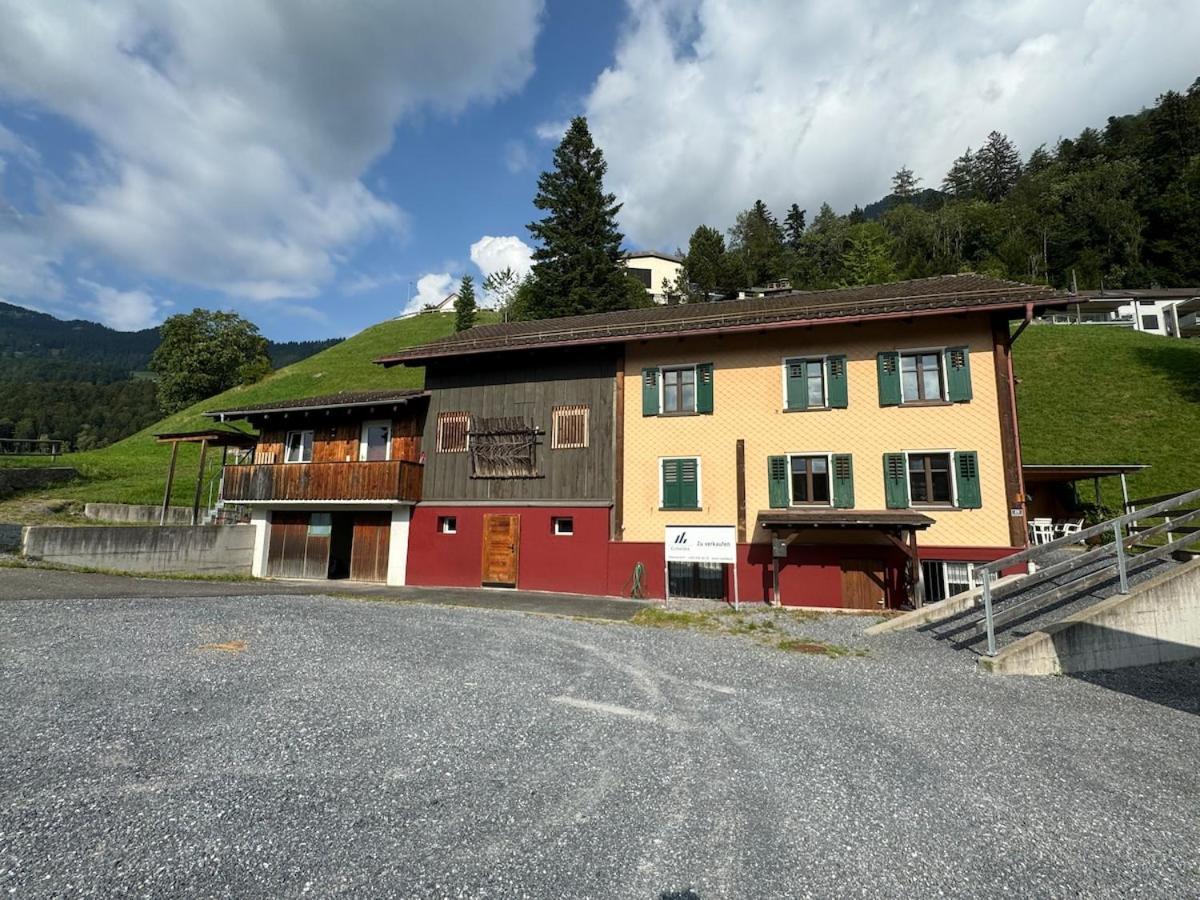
x=1041, y=531
x=1070, y=526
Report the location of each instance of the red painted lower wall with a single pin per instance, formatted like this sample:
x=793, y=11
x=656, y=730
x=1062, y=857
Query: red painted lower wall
x=587, y=562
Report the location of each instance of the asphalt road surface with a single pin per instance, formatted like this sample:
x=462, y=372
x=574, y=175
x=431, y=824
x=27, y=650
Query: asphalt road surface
x=287, y=745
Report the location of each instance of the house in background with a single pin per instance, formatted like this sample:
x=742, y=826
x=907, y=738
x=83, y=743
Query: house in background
x=330, y=484
x=862, y=442
x=651, y=268
x=1168, y=312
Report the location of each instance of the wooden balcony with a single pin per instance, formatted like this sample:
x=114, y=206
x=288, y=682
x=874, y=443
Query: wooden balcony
x=392, y=480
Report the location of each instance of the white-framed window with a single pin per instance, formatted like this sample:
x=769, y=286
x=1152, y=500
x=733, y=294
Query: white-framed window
x=298, y=447
x=452, y=430
x=930, y=478
x=943, y=579
x=447, y=524
x=563, y=525
x=809, y=479
x=810, y=373
x=569, y=427
x=678, y=390
x=922, y=378
x=375, y=443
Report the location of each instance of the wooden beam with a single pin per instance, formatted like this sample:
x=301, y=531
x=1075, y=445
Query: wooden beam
x=903, y=546
x=1010, y=435
x=166, y=504
x=914, y=572
x=741, y=491
x=618, y=514
x=199, y=483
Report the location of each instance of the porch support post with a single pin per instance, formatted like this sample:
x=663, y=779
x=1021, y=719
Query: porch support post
x=166, y=504
x=914, y=572
x=199, y=483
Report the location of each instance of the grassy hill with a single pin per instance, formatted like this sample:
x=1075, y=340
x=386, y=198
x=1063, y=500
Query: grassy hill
x=1096, y=394
x=134, y=470
x=1087, y=394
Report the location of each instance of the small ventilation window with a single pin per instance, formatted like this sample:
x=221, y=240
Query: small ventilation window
x=570, y=427
x=563, y=525
x=452, y=430
x=447, y=524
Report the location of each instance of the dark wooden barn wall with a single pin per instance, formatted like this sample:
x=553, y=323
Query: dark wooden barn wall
x=528, y=387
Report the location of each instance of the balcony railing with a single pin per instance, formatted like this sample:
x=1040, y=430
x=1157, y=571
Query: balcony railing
x=389, y=480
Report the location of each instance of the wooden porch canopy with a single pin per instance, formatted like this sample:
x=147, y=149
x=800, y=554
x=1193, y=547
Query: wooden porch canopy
x=899, y=526
x=211, y=437
x=1060, y=473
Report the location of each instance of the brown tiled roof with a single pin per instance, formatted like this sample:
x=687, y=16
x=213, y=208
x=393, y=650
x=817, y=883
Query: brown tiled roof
x=328, y=401
x=922, y=296
x=843, y=518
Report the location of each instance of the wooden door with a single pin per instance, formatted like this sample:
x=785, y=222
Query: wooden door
x=501, y=550
x=863, y=584
x=369, y=546
x=298, y=546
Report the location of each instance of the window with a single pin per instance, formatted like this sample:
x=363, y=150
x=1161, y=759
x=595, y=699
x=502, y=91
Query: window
x=943, y=580
x=929, y=478
x=452, y=428
x=320, y=525
x=679, y=390
x=642, y=275
x=680, y=486
x=569, y=427
x=921, y=377
x=447, y=524
x=809, y=479
x=376, y=442
x=563, y=525
x=298, y=447
x=1150, y=323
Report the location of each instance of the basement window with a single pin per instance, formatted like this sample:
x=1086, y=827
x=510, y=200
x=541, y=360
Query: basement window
x=563, y=525
x=447, y=525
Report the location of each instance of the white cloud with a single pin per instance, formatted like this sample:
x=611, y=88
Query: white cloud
x=232, y=136
x=495, y=254
x=711, y=104
x=432, y=288
x=516, y=157
x=552, y=131
x=123, y=310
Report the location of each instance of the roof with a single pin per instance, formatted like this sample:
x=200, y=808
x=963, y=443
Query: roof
x=1077, y=472
x=217, y=437
x=842, y=518
x=635, y=254
x=901, y=299
x=344, y=400
x=1183, y=293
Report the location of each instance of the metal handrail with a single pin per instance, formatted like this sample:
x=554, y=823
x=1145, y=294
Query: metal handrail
x=1121, y=536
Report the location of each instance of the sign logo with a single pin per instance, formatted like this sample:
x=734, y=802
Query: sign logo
x=681, y=538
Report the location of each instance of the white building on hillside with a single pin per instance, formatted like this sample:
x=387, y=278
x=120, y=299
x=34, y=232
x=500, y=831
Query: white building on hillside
x=1169, y=312
x=651, y=267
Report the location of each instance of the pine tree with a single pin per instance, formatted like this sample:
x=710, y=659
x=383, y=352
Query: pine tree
x=577, y=263
x=793, y=226
x=758, y=240
x=710, y=270
x=998, y=164
x=904, y=183
x=464, y=304
x=962, y=181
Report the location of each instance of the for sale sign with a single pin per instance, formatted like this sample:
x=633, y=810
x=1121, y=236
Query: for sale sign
x=701, y=543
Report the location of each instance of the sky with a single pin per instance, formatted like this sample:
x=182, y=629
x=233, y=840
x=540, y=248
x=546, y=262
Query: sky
x=321, y=167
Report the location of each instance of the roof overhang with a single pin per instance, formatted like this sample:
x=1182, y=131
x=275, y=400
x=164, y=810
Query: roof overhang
x=302, y=406
x=216, y=437
x=1068, y=472
x=881, y=519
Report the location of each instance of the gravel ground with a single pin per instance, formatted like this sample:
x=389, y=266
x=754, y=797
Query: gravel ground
x=382, y=749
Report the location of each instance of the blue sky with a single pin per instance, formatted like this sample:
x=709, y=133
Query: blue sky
x=311, y=166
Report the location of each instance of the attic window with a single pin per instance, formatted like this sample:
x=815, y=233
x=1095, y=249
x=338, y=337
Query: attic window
x=452, y=430
x=570, y=427
x=503, y=447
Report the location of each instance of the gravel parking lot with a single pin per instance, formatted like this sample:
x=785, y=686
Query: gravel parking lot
x=287, y=745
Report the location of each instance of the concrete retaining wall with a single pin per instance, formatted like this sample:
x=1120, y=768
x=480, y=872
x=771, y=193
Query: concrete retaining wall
x=935, y=612
x=148, y=515
x=1157, y=621
x=208, y=548
x=13, y=481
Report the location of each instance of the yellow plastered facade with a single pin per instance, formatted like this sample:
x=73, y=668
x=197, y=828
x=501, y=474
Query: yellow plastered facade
x=748, y=403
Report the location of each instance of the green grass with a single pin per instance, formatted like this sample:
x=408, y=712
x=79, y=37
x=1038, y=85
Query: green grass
x=1095, y=394
x=134, y=470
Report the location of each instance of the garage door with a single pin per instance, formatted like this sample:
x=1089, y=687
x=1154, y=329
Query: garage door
x=299, y=545
x=369, y=552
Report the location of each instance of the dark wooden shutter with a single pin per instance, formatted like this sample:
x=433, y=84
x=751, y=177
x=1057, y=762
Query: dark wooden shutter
x=797, y=386
x=888, y=365
x=958, y=374
x=704, y=388
x=843, y=481
x=835, y=381
x=649, y=392
x=966, y=470
x=689, y=484
x=777, y=482
x=895, y=481
x=670, y=484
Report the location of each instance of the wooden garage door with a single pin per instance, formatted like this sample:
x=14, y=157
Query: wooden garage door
x=863, y=584
x=501, y=540
x=299, y=545
x=369, y=550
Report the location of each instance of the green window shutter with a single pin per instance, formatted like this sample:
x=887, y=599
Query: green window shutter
x=777, y=482
x=888, y=364
x=689, y=484
x=966, y=470
x=835, y=381
x=797, y=389
x=670, y=484
x=958, y=374
x=895, y=481
x=843, y=481
x=649, y=392
x=704, y=388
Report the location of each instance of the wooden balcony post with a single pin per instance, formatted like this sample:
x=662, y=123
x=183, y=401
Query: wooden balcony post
x=166, y=504
x=199, y=483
